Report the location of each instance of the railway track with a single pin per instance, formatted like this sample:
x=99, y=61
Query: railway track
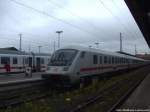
x=15, y=93
x=124, y=97
x=99, y=97
x=21, y=92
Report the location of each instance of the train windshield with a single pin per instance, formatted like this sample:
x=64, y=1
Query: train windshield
x=63, y=57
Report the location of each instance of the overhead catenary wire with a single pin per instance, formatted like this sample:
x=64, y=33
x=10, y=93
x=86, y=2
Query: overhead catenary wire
x=25, y=41
x=76, y=15
x=55, y=18
x=71, y=13
x=26, y=36
x=116, y=17
x=114, y=2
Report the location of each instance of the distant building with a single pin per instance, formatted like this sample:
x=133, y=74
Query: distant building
x=9, y=48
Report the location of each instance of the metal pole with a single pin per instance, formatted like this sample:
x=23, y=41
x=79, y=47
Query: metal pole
x=135, y=50
x=59, y=32
x=20, y=43
x=39, y=49
x=54, y=46
x=58, y=40
x=29, y=48
x=121, y=42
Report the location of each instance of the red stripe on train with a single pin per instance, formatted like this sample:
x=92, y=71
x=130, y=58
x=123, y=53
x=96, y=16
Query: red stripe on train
x=90, y=69
x=99, y=68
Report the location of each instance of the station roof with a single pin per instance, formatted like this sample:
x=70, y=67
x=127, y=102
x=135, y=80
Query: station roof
x=9, y=48
x=140, y=10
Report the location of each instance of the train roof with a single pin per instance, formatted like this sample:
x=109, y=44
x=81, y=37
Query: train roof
x=81, y=48
x=9, y=48
x=3, y=51
x=16, y=52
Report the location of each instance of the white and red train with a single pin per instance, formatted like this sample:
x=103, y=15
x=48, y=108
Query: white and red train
x=18, y=61
x=71, y=64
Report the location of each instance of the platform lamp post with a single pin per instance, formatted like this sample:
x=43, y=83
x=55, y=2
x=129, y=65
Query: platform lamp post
x=20, y=42
x=59, y=32
x=135, y=49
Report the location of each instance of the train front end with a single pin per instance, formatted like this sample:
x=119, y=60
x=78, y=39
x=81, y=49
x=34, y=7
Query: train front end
x=61, y=66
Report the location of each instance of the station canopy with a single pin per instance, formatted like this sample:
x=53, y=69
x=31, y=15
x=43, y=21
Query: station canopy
x=140, y=10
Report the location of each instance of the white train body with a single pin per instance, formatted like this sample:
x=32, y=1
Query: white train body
x=72, y=63
x=18, y=61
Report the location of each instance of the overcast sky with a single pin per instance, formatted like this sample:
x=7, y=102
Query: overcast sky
x=83, y=22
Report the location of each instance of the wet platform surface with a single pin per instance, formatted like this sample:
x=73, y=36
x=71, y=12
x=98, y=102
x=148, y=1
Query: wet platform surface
x=140, y=98
x=8, y=78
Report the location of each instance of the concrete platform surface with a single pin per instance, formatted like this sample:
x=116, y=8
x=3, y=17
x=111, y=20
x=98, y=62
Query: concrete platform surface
x=140, y=98
x=6, y=78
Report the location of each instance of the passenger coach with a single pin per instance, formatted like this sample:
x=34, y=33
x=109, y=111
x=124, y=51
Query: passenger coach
x=73, y=63
x=18, y=61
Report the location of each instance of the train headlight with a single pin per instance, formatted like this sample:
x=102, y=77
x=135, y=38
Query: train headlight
x=65, y=68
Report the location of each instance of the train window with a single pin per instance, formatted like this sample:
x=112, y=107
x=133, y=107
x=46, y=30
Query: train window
x=15, y=61
x=105, y=59
x=26, y=60
x=100, y=60
x=109, y=60
x=63, y=57
x=5, y=60
x=82, y=54
x=95, y=59
x=128, y=61
x=112, y=60
x=23, y=61
x=120, y=60
x=124, y=60
x=115, y=60
x=42, y=60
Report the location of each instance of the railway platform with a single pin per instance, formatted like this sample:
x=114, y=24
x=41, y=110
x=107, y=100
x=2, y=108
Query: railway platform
x=140, y=98
x=17, y=77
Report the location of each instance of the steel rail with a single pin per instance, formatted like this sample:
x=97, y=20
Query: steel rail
x=11, y=93
x=90, y=101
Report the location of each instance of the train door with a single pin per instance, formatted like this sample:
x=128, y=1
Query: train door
x=38, y=64
x=30, y=61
